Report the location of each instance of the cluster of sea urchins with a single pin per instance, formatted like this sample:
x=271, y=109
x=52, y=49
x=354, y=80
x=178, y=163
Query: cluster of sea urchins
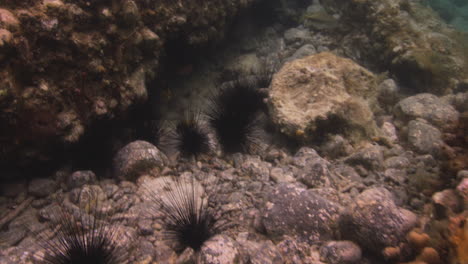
x=233, y=114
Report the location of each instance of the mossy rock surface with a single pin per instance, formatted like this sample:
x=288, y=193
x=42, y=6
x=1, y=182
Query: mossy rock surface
x=410, y=39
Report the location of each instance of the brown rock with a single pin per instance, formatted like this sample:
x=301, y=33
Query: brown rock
x=8, y=20
x=323, y=92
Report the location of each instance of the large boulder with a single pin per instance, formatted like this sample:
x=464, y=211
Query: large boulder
x=375, y=222
x=294, y=211
x=323, y=93
x=68, y=64
x=429, y=107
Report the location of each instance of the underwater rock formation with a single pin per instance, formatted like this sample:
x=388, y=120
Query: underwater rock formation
x=409, y=39
x=323, y=92
x=288, y=212
x=375, y=222
x=428, y=107
x=66, y=64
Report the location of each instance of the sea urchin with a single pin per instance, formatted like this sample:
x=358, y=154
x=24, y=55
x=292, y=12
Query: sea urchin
x=83, y=240
x=190, y=137
x=233, y=115
x=187, y=219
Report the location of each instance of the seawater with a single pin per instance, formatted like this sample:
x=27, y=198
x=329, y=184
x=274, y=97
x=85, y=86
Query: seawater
x=454, y=12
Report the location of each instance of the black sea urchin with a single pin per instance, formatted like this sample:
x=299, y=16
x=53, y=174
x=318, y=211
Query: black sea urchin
x=233, y=115
x=190, y=137
x=188, y=220
x=83, y=239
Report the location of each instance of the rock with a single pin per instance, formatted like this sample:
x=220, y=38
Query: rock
x=5, y=38
x=80, y=178
x=262, y=253
x=316, y=174
x=304, y=155
x=292, y=251
x=370, y=157
x=396, y=162
x=145, y=227
x=144, y=250
x=256, y=168
x=317, y=18
x=323, y=94
x=8, y=20
x=389, y=93
x=424, y=138
x=304, y=51
x=395, y=176
x=462, y=174
x=313, y=170
x=220, y=249
x=130, y=13
x=429, y=107
x=462, y=190
x=375, y=222
x=53, y=3
x=136, y=158
x=41, y=188
x=164, y=254
x=291, y=210
x=389, y=131
x=188, y=256
x=340, y=252
x=336, y=147
x=459, y=101
x=446, y=203
x=70, y=123
x=91, y=195
x=281, y=175
x=12, y=237
x=296, y=35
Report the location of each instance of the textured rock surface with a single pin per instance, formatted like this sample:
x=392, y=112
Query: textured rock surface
x=137, y=158
x=262, y=253
x=424, y=138
x=421, y=50
x=220, y=249
x=291, y=210
x=315, y=172
x=429, y=107
x=341, y=252
x=67, y=64
x=375, y=222
x=80, y=178
x=323, y=92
